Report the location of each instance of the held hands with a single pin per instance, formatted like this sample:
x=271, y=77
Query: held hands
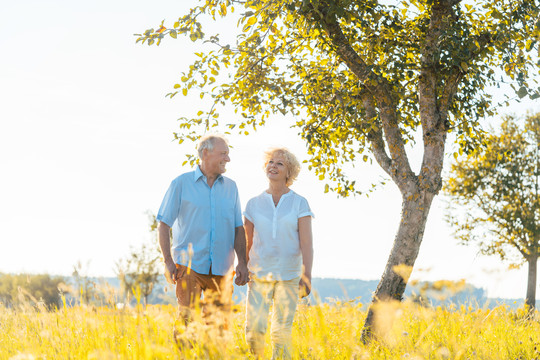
x=305, y=285
x=171, y=272
x=242, y=275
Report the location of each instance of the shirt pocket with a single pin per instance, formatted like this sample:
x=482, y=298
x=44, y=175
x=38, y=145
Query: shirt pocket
x=226, y=212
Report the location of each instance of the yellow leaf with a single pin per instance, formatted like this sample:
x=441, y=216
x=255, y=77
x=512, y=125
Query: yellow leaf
x=184, y=91
x=252, y=20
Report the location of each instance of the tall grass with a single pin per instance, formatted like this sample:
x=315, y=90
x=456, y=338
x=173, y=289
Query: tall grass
x=404, y=331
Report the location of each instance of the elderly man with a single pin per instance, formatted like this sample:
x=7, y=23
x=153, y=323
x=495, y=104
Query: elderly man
x=203, y=209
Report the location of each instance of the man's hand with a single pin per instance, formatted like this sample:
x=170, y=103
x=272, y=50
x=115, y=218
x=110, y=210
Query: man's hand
x=171, y=272
x=242, y=275
x=305, y=286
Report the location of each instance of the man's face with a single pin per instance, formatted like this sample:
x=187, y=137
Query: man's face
x=214, y=161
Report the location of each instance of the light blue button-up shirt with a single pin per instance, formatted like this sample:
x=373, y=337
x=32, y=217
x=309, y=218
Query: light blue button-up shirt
x=203, y=220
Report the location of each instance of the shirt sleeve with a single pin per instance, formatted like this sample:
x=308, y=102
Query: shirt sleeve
x=304, y=209
x=248, y=211
x=170, y=206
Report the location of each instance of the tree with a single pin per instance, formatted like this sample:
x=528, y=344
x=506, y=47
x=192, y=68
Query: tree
x=85, y=286
x=139, y=270
x=25, y=289
x=495, y=197
x=361, y=78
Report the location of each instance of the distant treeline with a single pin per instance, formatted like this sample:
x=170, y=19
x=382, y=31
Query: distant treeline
x=45, y=290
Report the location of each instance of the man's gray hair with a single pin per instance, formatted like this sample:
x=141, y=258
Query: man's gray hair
x=207, y=142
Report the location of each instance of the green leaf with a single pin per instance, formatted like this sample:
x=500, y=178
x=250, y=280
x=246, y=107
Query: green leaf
x=522, y=92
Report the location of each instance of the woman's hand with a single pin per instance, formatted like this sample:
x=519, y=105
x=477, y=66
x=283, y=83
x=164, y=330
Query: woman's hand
x=305, y=286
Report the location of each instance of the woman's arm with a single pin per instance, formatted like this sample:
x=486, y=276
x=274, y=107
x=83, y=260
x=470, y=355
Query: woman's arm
x=248, y=227
x=306, y=247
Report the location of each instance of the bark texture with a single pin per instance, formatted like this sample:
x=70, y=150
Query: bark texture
x=415, y=210
x=530, y=299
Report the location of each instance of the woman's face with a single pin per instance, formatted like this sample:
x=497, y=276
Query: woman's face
x=276, y=168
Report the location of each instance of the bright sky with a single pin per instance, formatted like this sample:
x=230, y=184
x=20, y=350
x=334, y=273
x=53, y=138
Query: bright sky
x=86, y=148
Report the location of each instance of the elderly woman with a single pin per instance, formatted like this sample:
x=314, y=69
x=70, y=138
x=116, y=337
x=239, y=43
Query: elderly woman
x=280, y=252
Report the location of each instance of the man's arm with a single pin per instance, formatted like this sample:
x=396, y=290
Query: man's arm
x=164, y=238
x=306, y=247
x=242, y=276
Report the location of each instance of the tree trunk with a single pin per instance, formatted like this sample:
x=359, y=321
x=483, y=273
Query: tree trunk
x=530, y=299
x=415, y=209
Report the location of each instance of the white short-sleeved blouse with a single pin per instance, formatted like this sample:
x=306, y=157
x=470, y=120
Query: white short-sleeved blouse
x=275, y=253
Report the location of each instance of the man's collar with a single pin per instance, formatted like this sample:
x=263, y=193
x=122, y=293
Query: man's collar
x=197, y=174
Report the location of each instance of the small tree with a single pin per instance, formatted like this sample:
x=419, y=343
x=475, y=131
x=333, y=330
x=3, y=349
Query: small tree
x=498, y=189
x=140, y=269
x=85, y=285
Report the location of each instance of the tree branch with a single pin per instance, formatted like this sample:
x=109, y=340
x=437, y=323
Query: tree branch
x=379, y=89
x=441, y=17
x=433, y=116
x=375, y=135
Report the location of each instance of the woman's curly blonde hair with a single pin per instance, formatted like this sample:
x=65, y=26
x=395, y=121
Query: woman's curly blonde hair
x=292, y=164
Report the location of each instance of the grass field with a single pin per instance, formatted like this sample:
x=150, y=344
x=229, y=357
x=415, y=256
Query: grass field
x=405, y=331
